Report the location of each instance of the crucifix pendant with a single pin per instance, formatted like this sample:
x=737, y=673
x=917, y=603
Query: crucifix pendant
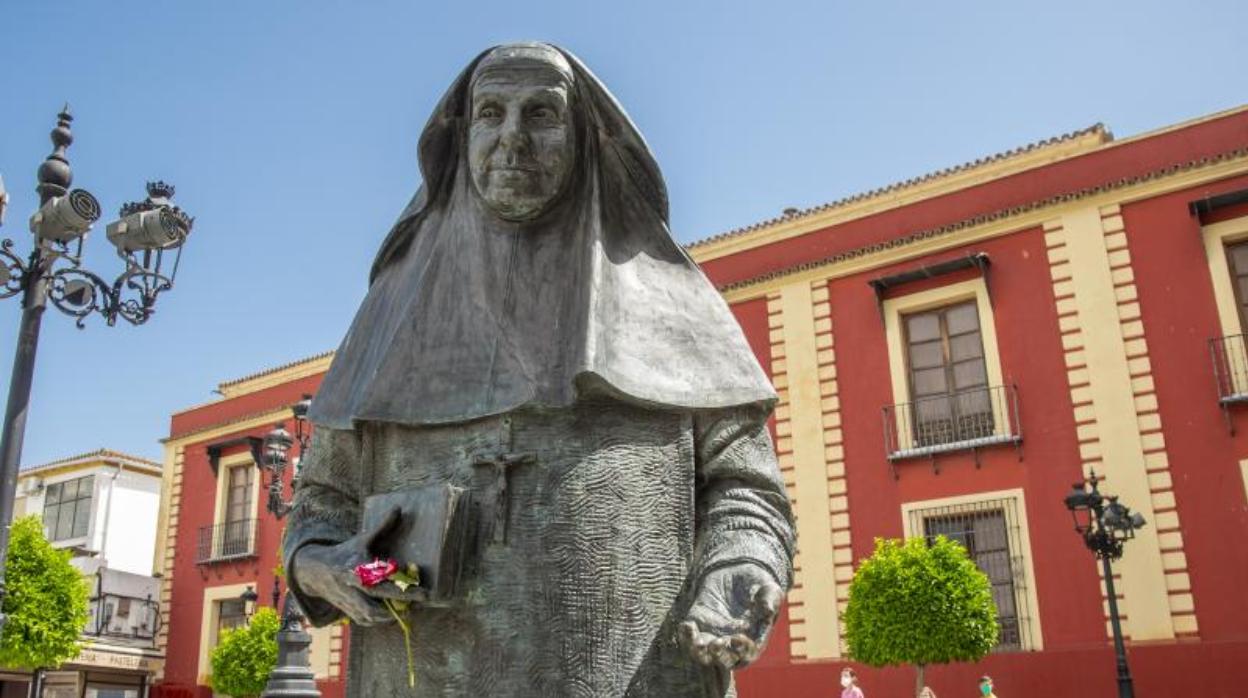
x=502, y=464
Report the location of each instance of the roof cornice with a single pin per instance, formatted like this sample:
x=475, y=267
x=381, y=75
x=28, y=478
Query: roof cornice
x=902, y=193
x=1236, y=159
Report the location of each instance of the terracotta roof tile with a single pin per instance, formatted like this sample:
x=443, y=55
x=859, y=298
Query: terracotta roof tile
x=275, y=369
x=794, y=213
x=101, y=454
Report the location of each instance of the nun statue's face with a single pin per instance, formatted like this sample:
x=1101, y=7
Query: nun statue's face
x=521, y=144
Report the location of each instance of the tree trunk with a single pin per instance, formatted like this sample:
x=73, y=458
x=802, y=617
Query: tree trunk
x=918, y=680
x=36, y=684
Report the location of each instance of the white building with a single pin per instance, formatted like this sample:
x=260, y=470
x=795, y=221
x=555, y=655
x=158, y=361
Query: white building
x=103, y=506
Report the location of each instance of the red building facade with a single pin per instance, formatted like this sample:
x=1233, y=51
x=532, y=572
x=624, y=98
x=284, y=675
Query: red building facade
x=217, y=539
x=951, y=354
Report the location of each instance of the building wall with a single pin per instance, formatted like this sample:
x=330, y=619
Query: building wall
x=1176, y=298
x=1102, y=304
x=132, y=518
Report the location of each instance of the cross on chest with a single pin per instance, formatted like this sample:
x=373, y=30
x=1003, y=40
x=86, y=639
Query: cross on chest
x=502, y=464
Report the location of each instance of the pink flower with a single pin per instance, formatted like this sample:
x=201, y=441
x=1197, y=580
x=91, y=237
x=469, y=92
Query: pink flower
x=373, y=573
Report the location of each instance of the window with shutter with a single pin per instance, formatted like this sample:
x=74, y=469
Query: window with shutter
x=1237, y=261
x=948, y=376
x=231, y=613
x=983, y=534
x=236, y=536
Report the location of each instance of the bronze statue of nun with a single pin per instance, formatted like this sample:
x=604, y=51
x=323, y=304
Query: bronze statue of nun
x=534, y=338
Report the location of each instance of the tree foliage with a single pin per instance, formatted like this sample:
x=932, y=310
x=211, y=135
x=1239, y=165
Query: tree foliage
x=45, y=601
x=918, y=603
x=245, y=656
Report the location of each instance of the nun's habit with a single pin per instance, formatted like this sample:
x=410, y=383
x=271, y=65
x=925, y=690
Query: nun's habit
x=588, y=338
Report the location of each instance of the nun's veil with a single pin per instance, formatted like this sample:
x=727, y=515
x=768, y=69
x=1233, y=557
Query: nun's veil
x=468, y=315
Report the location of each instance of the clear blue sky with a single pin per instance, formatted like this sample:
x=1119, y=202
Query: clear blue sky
x=290, y=130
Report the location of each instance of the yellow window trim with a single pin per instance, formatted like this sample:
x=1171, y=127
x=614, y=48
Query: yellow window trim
x=1243, y=473
x=224, y=466
x=1034, y=636
x=1216, y=237
x=208, y=624
x=895, y=308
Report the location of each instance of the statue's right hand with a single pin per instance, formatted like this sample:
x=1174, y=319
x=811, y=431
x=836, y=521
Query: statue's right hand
x=328, y=572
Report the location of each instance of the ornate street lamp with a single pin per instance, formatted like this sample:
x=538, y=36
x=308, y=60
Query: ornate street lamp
x=249, y=598
x=1106, y=525
x=148, y=239
x=293, y=676
x=274, y=458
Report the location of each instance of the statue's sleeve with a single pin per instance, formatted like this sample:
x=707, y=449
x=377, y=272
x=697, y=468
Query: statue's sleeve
x=326, y=508
x=743, y=510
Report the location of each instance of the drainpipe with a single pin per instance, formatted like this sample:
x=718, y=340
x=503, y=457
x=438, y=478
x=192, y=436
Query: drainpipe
x=100, y=621
x=108, y=518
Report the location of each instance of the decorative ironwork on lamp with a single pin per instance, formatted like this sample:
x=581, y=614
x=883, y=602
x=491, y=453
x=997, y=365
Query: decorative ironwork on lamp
x=1105, y=524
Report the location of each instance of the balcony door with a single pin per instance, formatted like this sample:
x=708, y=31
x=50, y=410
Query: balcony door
x=948, y=376
x=1237, y=260
x=237, y=523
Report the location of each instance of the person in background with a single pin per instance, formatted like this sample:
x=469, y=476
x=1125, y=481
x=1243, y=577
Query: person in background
x=985, y=686
x=849, y=683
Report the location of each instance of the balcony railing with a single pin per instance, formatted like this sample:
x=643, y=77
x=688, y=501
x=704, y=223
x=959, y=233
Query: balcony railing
x=1230, y=367
x=227, y=541
x=970, y=419
x=124, y=617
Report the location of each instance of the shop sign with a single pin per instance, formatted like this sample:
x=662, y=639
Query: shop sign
x=126, y=662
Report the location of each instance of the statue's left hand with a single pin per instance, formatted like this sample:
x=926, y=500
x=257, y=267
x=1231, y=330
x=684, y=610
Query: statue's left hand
x=732, y=613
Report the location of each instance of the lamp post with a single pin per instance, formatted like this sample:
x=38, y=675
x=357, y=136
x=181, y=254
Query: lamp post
x=147, y=233
x=1106, y=525
x=292, y=677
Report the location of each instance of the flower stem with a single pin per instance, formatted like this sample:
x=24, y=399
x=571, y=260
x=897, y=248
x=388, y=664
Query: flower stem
x=407, y=641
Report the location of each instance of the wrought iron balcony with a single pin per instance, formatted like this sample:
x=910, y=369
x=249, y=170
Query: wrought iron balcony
x=119, y=617
x=123, y=609
x=1230, y=367
x=970, y=419
x=226, y=541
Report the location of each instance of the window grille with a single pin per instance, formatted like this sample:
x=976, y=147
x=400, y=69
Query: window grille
x=231, y=613
x=990, y=532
